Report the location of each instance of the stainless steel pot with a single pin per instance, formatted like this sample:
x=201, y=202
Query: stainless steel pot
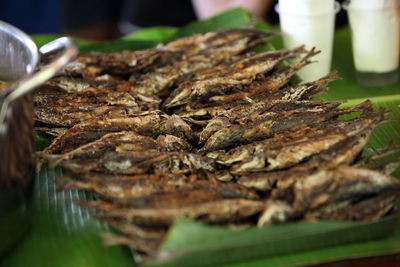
x=18, y=59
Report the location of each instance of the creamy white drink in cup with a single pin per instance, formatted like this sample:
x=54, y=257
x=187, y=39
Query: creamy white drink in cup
x=375, y=40
x=310, y=23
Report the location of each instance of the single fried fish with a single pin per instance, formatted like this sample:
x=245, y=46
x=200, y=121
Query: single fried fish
x=212, y=211
x=136, y=186
x=152, y=123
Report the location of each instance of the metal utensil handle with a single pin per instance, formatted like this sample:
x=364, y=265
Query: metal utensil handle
x=31, y=82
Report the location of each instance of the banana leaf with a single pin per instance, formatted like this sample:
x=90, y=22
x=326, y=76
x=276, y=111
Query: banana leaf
x=162, y=34
x=203, y=245
x=63, y=234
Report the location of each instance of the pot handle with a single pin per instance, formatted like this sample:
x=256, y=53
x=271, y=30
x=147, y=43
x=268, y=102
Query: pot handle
x=30, y=82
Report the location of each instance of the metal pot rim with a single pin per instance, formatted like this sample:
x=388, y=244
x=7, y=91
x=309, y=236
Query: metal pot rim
x=27, y=41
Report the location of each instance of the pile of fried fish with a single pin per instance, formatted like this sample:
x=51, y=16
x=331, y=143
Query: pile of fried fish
x=209, y=128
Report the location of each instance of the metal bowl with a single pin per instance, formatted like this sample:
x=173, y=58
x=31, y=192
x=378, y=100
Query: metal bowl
x=18, y=59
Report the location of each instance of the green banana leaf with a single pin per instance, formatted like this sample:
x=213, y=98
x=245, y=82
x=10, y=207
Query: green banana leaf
x=162, y=34
x=63, y=234
x=42, y=39
x=203, y=245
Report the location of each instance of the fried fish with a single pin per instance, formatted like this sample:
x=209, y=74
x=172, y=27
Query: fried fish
x=152, y=123
x=210, y=129
x=209, y=83
x=211, y=211
x=136, y=186
x=260, y=126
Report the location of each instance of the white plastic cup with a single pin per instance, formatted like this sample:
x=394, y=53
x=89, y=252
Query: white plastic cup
x=375, y=41
x=310, y=23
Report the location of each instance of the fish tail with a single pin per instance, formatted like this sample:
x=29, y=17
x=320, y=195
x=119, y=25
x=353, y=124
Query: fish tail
x=109, y=239
x=65, y=182
x=306, y=59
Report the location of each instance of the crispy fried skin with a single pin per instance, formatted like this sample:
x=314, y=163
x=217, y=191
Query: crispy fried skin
x=261, y=126
x=133, y=162
x=209, y=83
x=211, y=211
x=153, y=124
x=342, y=153
x=136, y=186
x=346, y=193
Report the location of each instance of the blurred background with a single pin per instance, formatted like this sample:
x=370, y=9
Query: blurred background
x=100, y=20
